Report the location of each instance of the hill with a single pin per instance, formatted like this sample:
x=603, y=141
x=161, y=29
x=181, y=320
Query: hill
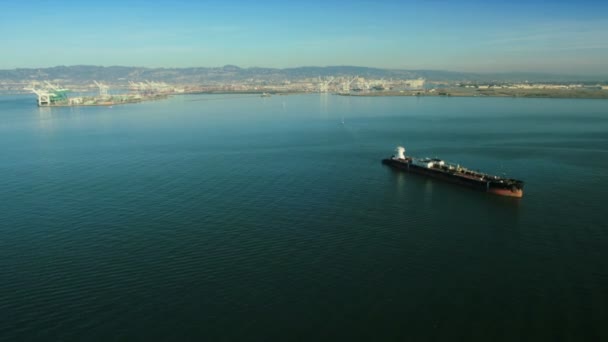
x=229, y=73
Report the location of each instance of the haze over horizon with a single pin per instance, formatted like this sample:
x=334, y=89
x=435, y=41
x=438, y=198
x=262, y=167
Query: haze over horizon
x=468, y=36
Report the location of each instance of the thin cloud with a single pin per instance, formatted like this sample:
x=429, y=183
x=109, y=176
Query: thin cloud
x=552, y=37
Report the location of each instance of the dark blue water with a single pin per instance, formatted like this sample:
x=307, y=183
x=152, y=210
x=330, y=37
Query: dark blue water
x=226, y=218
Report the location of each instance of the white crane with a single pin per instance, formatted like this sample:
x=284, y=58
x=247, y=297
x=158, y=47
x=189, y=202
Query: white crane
x=49, y=93
x=54, y=87
x=347, y=83
x=103, y=89
x=324, y=85
x=44, y=97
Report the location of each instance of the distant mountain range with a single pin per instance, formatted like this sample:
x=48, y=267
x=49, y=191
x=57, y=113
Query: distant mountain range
x=121, y=74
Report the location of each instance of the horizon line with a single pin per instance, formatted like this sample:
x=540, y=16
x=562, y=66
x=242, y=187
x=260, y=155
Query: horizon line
x=316, y=66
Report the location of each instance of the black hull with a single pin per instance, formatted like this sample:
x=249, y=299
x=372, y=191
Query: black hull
x=498, y=187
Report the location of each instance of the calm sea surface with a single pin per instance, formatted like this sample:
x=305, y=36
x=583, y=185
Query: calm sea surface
x=226, y=218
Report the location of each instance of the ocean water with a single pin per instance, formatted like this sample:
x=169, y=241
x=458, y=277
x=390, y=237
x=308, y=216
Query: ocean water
x=227, y=218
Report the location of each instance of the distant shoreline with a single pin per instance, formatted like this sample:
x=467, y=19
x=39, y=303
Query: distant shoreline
x=445, y=92
x=515, y=93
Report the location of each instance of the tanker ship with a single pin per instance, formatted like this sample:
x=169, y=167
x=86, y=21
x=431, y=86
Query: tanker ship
x=437, y=168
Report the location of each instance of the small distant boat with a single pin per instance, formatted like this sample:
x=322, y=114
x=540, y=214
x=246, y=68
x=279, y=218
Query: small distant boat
x=265, y=95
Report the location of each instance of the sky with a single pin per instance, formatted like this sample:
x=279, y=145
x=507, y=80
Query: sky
x=566, y=37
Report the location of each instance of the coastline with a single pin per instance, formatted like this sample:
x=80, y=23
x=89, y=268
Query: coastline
x=519, y=93
x=444, y=92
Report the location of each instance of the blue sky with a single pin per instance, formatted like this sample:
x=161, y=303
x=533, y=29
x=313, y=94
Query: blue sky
x=484, y=36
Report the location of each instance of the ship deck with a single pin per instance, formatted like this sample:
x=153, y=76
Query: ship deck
x=458, y=171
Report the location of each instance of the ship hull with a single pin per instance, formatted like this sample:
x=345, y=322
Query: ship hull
x=507, y=192
x=491, y=187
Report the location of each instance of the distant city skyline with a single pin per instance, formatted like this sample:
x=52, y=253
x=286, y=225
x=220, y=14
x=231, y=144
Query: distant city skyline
x=471, y=36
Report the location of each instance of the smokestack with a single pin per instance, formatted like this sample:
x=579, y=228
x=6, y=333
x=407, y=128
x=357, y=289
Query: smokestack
x=400, y=152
